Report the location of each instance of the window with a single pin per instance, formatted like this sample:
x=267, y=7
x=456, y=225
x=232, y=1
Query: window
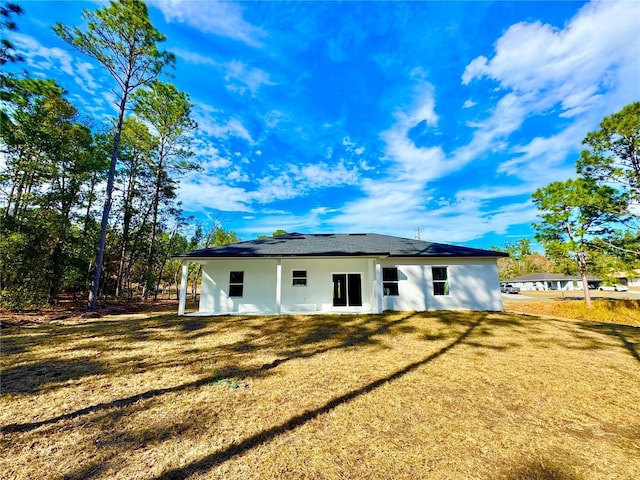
x=390, y=281
x=236, y=284
x=440, y=281
x=299, y=278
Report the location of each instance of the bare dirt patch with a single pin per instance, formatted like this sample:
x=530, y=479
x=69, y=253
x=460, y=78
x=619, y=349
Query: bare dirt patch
x=67, y=307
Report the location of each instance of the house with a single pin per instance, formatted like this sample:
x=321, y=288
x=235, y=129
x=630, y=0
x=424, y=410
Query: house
x=342, y=273
x=630, y=278
x=550, y=281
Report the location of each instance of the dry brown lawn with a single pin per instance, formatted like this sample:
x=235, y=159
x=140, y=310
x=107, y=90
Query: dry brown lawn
x=610, y=310
x=438, y=395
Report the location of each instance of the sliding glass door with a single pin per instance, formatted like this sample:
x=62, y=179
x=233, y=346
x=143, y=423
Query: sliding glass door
x=347, y=290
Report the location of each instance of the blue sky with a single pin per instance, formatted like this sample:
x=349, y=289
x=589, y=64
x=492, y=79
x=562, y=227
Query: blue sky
x=382, y=117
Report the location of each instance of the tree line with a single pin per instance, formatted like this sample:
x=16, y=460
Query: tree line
x=69, y=184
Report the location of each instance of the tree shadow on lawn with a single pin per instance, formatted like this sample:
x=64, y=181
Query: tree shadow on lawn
x=312, y=336
x=287, y=339
x=305, y=336
x=552, y=469
x=23, y=339
x=47, y=374
x=267, y=435
x=112, y=443
x=126, y=402
x=628, y=335
x=585, y=335
x=592, y=335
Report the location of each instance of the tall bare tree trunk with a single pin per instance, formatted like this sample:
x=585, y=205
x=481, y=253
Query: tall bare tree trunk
x=582, y=262
x=95, y=286
x=154, y=226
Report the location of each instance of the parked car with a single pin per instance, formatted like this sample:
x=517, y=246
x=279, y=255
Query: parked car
x=607, y=288
x=614, y=288
x=508, y=288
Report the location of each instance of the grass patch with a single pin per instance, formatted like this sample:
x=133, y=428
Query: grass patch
x=607, y=310
x=400, y=395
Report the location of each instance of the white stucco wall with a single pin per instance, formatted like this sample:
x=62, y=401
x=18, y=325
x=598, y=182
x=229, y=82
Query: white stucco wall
x=259, y=295
x=317, y=296
x=259, y=286
x=473, y=285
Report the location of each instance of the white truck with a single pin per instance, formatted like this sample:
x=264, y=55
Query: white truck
x=508, y=288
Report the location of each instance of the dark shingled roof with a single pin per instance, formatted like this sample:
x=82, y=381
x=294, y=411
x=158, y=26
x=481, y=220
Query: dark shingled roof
x=339, y=245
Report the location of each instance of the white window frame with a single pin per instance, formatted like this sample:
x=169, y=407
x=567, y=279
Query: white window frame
x=388, y=283
x=445, y=282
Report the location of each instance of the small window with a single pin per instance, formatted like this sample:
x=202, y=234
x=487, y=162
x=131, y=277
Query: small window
x=390, y=281
x=236, y=284
x=299, y=278
x=440, y=280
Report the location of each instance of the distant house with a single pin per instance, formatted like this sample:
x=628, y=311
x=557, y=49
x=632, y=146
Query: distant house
x=342, y=273
x=630, y=278
x=550, y=281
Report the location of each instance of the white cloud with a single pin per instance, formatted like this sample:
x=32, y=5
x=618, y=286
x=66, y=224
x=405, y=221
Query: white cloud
x=469, y=103
x=281, y=187
x=242, y=78
x=274, y=117
x=402, y=203
x=239, y=76
x=590, y=65
x=329, y=153
x=386, y=205
x=346, y=141
x=209, y=158
x=413, y=163
x=218, y=17
x=349, y=146
x=508, y=116
x=391, y=208
x=194, y=58
x=296, y=181
x=322, y=175
x=493, y=192
x=44, y=60
x=202, y=192
x=210, y=123
x=84, y=78
x=542, y=160
x=270, y=221
x=534, y=56
x=237, y=175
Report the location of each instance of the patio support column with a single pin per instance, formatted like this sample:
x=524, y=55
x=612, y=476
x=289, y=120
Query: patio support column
x=373, y=286
x=379, y=289
x=279, y=287
x=183, y=287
